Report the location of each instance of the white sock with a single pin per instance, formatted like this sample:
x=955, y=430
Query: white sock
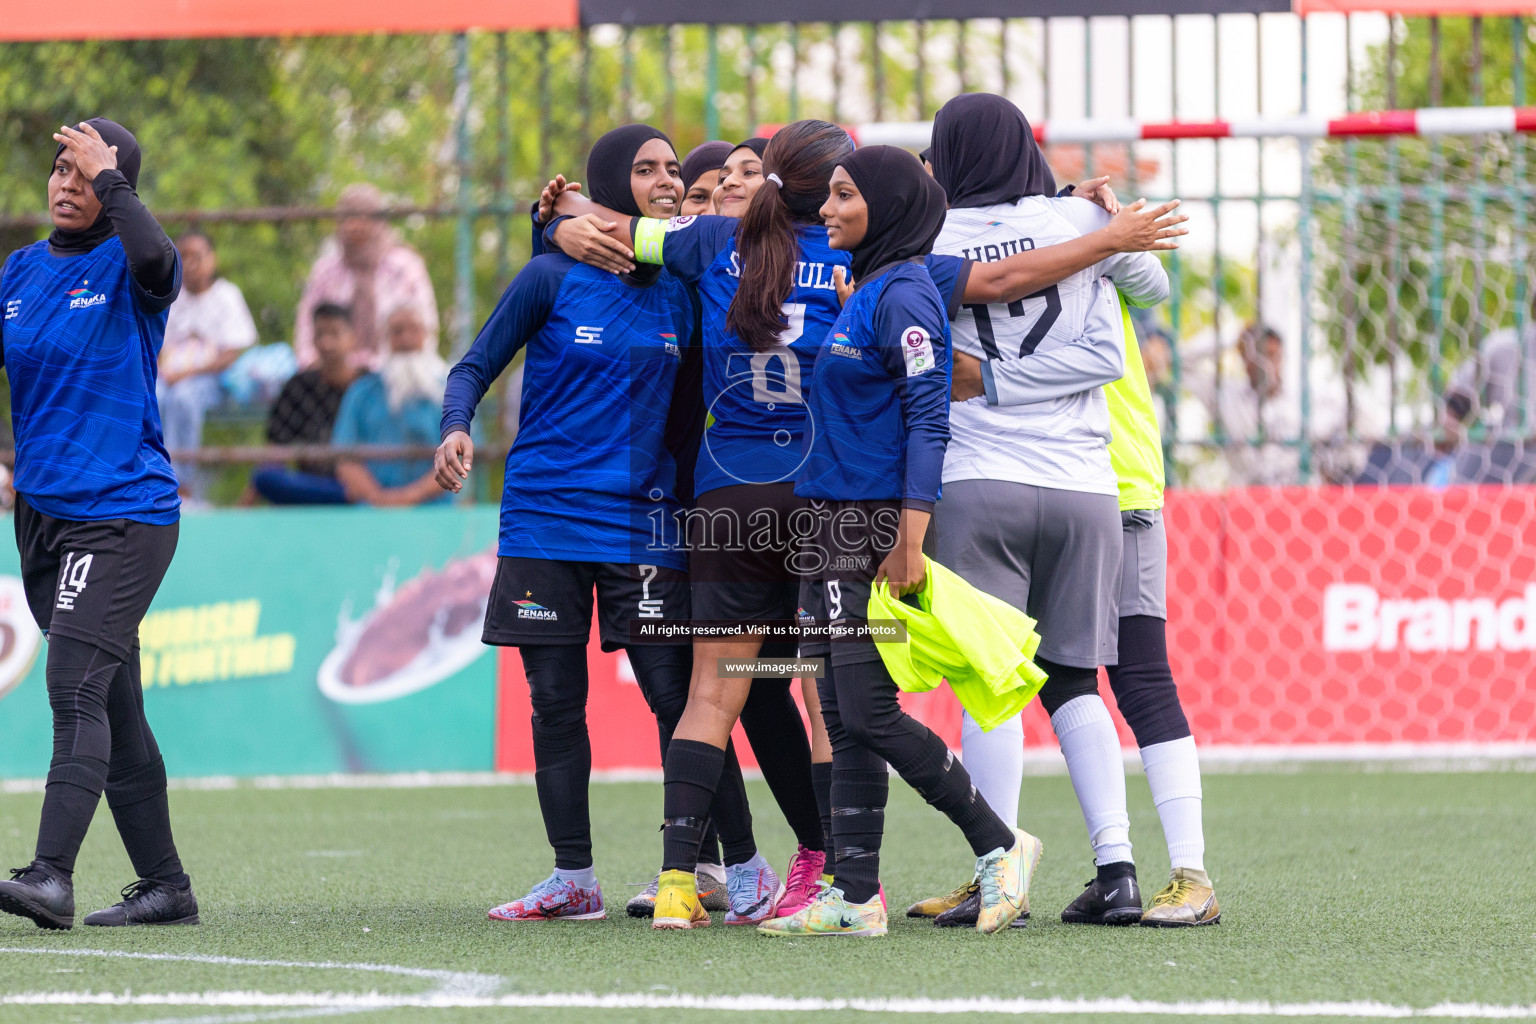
x=713, y=872
x=995, y=761
x=581, y=878
x=1092, y=749
x=1173, y=772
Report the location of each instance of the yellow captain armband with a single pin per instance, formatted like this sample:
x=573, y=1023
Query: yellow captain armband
x=649, y=234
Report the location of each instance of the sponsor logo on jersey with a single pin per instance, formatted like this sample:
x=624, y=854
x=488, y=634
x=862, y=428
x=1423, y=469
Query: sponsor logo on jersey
x=842, y=346
x=13, y=309
x=73, y=579
x=533, y=610
x=81, y=298
x=670, y=341
x=587, y=335
x=678, y=223
x=1356, y=617
x=917, y=349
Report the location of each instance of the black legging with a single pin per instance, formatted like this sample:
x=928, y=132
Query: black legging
x=102, y=741
x=868, y=729
x=562, y=749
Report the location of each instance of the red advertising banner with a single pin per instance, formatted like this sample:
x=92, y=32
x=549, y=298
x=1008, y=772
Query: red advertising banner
x=183, y=19
x=1301, y=621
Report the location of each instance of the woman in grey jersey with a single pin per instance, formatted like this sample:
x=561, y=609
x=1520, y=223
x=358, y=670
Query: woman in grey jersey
x=1030, y=510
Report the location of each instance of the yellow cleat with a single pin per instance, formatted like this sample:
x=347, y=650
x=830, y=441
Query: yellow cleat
x=677, y=903
x=1004, y=877
x=830, y=914
x=933, y=906
x=1188, y=900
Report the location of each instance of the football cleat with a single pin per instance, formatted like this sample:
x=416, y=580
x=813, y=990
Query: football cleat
x=643, y=903
x=965, y=915
x=554, y=899
x=801, y=881
x=710, y=882
x=1106, y=900
x=933, y=906
x=1187, y=900
x=44, y=898
x=831, y=914
x=1004, y=877
x=149, y=902
x=753, y=892
x=678, y=907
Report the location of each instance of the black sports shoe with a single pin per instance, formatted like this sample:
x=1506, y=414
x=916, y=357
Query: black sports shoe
x=964, y=915
x=1112, y=900
x=38, y=894
x=149, y=902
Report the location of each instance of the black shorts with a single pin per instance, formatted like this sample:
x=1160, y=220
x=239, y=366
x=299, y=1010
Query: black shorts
x=92, y=580
x=852, y=539
x=541, y=601
x=742, y=548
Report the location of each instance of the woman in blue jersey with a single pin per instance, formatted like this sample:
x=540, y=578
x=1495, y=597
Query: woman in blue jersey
x=587, y=479
x=879, y=406
x=96, y=515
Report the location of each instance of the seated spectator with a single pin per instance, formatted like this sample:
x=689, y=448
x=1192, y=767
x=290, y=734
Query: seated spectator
x=400, y=404
x=305, y=412
x=1487, y=388
x=208, y=328
x=366, y=268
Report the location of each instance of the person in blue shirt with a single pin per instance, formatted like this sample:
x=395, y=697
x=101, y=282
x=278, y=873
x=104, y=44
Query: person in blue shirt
x=878, y=406
x=96, y=515
x=589, y=503
x=400, y=404
x=765, y=281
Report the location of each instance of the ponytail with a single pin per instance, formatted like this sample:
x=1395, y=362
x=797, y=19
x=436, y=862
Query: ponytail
x=797, y=167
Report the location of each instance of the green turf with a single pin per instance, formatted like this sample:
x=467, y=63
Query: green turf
x=1408, y=889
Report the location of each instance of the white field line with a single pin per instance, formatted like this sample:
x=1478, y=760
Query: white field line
x=1406, y=757
x=470, y=990
x=449, y=983
x=781, y=1004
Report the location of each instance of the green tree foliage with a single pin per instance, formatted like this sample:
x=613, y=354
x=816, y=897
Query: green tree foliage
x=1422, y=245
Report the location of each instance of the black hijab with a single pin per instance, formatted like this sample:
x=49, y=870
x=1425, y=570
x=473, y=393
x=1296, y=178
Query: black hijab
x=906, y=208
x=73, y=243
x=757, y=144
x=609, y=165
x=985, y=153
x=703, y=158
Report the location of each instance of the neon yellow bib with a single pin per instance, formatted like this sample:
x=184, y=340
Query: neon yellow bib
x=1136, y=450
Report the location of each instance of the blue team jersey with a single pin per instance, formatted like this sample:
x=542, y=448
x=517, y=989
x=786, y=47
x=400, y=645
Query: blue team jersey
x=81, y=338
x=949, y=275
x=755, y=400
x=879, y=400
x=589, y=478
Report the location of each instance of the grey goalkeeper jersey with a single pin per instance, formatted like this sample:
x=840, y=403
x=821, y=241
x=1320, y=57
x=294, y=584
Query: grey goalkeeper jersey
x=1045, y=358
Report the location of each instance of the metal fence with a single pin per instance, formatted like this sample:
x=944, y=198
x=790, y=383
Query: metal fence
x=1390, y=270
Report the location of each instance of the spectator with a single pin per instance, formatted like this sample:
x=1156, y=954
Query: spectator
x=368, y=269
x=1487, y=387
x=400, y=404
x=305, y=411
x=1259, y=421
x=209, y=327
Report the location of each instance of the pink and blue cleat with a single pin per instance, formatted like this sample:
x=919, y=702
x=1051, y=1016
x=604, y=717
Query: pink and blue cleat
x=554, y=899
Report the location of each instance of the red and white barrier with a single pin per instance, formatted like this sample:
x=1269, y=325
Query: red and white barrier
x=1428, y=121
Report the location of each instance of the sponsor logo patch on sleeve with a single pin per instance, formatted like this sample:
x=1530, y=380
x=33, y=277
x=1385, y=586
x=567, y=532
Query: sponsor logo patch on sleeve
x=917, y=349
